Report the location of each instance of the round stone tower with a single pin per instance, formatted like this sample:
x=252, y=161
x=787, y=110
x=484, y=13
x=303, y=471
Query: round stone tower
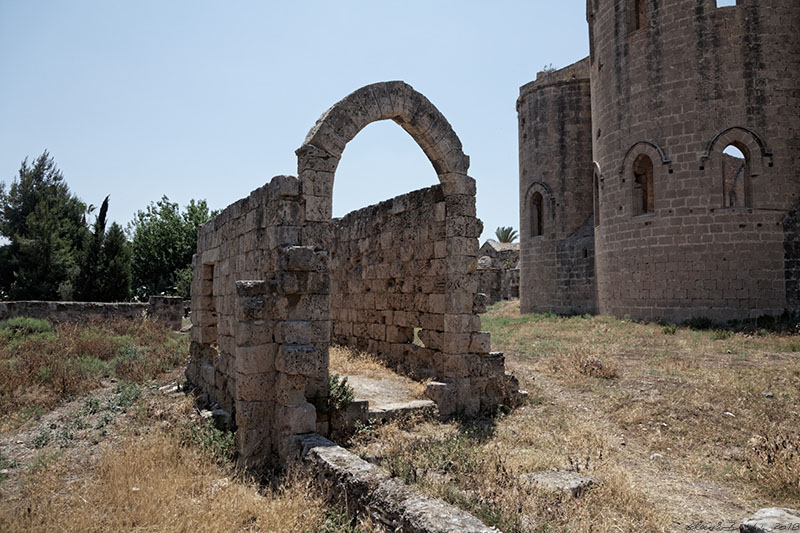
x=696, y=143
x=556, y=229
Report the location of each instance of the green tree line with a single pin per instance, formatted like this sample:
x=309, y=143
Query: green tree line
x=50, y=250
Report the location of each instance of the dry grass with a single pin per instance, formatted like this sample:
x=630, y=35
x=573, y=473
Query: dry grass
x=163, y=468
x=349, y=362
x=152, y=483
x=44, y=365
x=718, y=405
x=675, y=424
x=478, y=468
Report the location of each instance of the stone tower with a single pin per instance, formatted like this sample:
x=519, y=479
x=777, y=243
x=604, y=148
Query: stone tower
x=682, y=229
x=555, y=198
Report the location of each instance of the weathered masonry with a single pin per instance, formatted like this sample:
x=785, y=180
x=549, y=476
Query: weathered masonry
x=276, y=279
x=660, y=176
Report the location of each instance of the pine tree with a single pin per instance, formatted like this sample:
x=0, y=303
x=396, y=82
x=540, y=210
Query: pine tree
x=44, y=224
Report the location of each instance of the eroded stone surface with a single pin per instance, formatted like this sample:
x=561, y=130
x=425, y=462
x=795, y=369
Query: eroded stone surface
x=770, y=520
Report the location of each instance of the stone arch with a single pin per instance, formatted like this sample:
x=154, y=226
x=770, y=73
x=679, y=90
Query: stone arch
x=319, y=155
x=659, y=179
x=757, y=157
x=548, y=213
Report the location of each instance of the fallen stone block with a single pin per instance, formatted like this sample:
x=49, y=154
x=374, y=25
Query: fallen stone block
x=771, y=519
x=559, y=481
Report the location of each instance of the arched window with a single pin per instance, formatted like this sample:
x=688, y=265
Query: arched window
x=643, y=196
x=537, y=208
x=735, y=177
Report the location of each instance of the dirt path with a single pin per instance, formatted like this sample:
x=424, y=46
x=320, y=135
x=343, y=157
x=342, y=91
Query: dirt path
x=687, y=501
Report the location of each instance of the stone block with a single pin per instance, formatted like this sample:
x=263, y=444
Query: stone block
x=771, y=519
x=444, y=394
x=460, y=205
x=297, y=419
x=255, y=359
x=304, y=259
x=302, y=332
x=318, y=208
x=297, y=359
x=290, y=389
x=480, y=342
x=251, y=415
x=457, y=184
x=254, y=387
x=253, y=445
x=285, y=186
x=431, y=339
x=558, y=480
x=461, y=323
x=253, y=333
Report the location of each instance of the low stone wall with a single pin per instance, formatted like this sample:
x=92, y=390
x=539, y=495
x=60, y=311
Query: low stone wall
x=389, y=501
x=165, y=309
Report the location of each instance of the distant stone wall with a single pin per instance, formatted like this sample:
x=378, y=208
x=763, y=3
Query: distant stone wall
x=165, y=309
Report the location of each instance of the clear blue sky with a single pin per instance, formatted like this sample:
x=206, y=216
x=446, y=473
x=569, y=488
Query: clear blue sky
x=200, y=99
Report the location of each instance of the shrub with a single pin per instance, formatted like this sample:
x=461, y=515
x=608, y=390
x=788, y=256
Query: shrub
x=20, y=326
x=670, y=329
x=721, y=334
x=341, y=393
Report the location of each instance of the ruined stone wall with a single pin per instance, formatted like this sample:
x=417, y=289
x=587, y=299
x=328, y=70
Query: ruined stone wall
x=261, y=320
x=679, y=88
x=388, y=278
x=555, y=194
x=167, y=310
x=261, y=292
x=396, y=269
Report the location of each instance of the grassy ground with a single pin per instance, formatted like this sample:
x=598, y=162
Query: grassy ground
x=42, y=365
x=676, y=425
x=115, y=449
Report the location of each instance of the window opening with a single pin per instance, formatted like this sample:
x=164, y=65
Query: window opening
x=537, y=204
x=644, y=200
x=734, y=177
x=726, y=3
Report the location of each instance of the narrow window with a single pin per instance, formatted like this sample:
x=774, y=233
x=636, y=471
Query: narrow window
x=639, y=14
x=643, y=197
x=726, y=3
x=537, y=204
x=735, y=177
x=596, y=180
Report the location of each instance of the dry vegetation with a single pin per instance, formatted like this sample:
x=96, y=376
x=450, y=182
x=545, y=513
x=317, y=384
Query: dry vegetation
x=130, y=456
x=676, y=424
x=41, y=364
x=346, y=361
